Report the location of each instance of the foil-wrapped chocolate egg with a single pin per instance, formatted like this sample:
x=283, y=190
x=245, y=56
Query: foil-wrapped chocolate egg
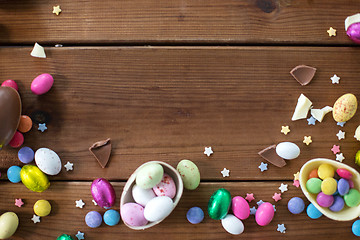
x=34, y=179
x=352, y=27
x=10, y=112
x=103, y=192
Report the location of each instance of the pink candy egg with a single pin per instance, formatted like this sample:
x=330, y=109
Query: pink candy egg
x=133, y=214
x=166, y=187
x=103, y=192
x=343, y=173
x=10, y=83
x=17, y=140
x=42, y=84
x=264, y=214
x=240, y=207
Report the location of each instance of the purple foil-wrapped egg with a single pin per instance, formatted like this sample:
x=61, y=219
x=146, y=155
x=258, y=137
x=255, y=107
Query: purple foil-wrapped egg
x=103, y=192
x=352, y=27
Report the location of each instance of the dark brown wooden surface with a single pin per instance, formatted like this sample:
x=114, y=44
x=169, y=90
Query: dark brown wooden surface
x=177, y=21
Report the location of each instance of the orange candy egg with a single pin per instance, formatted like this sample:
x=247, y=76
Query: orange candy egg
x=314, y=173
x=25, y=124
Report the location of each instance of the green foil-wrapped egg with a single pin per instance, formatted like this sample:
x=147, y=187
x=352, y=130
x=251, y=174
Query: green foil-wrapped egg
x=219, y=204
x=189, y=173
x=34, y=179
x=64, y=237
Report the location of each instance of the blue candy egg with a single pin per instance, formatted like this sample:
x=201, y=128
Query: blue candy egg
x=111, y=217
x=356, y=228
x=26, y=155
x=338, y=204
x=313, y=212
x=195, y=215
x=13, y=174
x=93, y=219
x=296, y=205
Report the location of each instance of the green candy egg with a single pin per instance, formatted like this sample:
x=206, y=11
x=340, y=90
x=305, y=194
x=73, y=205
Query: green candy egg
x=352, y=199
x=357, y=158
x=34, y=179
x=313, y=185
x=189, y=173
x=219, y=204
x=149, y=175
x=64, y=237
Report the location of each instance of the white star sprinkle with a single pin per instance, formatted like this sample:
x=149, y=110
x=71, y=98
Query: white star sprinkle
x=80, y=203
x=95, y=203
x=340, y=157
x=35, y=219
x=335, y=79
x=80, y=235
x=281, y=228
x=208, y=151
x=283, y=187
x=69, y=166
x=225, y=172
x=340, y=135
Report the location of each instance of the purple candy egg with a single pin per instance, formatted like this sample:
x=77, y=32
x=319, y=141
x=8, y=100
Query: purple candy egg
x=324, y=200
x=354, y=32
x=93, y=219
x=103, y=192
x=338, y=204
x=343, y=186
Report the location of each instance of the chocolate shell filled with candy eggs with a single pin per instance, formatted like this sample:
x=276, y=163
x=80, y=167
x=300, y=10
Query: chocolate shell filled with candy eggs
x=352, y=27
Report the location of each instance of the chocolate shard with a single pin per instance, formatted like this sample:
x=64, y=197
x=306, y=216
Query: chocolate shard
x=270, y=155
x=101, y=151
x=303, y=74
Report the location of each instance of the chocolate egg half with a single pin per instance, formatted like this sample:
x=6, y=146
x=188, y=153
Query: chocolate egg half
x=10, y=112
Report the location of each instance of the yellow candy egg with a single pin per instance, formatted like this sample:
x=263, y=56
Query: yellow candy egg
x=34, y=179
x=329, y=186
x=326, y=171
x=9, y=222
x=345, y=107
x=42, y=208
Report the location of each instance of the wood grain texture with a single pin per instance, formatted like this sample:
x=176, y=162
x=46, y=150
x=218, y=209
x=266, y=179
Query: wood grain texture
x=65, y=218
x=178, y=21
x=168, y=103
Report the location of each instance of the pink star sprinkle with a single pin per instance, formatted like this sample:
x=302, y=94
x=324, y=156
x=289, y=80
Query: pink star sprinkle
x=335, y=149
x=249, y=197
x=19, y=202
x=276, y=197
x=296, y=183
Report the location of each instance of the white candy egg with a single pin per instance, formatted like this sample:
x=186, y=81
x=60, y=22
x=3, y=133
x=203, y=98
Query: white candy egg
x=232, y=224
x=158, y=208
x=287, y=150
x=48, y=161
x=142, y=196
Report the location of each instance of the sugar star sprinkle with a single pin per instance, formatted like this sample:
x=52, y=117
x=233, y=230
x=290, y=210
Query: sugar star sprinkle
x=249, y=197
x=35, y=219
x=253, y=210
x=307, y=140
x=311, y=120
x=341, y=124
x=296, y=183
x=274, y=208
x=331, y=32
x=281, y=228
x=69, y=166
x=340, y=135
x=42, y=127
x=283, y=187
x=335, y=79
x=225, y=172
x=260, y=202
x=335, y=149
x=208, y=151
x=80, y=203
x=340, y=157
x=296, y=176
x=80, y=235
x=95, y=203
x=285, y=130
x=276, y=196
x=56, y=10
x=19, y=202
x=263, y=166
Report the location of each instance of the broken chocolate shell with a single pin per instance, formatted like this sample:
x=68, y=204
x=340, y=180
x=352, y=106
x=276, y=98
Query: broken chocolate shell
x=270, y=155
x=303, y=74
x=101, y=151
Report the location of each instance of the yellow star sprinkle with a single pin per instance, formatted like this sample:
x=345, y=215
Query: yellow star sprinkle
x=331, y=32
x=307, y=140
x=285, y=129
x=296, y=176
x=56, y=10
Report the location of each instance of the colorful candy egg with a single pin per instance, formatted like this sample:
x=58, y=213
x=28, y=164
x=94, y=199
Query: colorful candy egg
x=13, y=174
x=329, y=186
x=34, y=179
x=26, y=155
x=48, y=161
x=103, y=192
x=343, y=173
x=352, y=198
x=326, y=170
x=264, y=214
x=195, y=215
x=313, y=185
x=142, y=196
x=240, y=207
x=111, y=217
x=17, y=140
x=287, y=150
x=158, y=208
x=313, y=212
x=133, y=214
x=324, y=200
x=232, y=224
x=219, y=204
x=189, y=173
x=338, y=204
x=355, y=228
x=9, y=223
x=345, y=108
x=296, y=205
x=10, y=83
x=166, y=187
x=343, y=186
x=42, y=208
x=149, y=175
x=42, y=84
x=93, y=219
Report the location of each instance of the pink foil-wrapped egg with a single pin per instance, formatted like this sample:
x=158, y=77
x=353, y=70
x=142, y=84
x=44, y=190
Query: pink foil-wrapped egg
x=103, y=192
x=352, y=27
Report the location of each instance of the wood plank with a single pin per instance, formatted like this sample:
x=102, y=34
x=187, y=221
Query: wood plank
x=168, y=103
x=65, y=218
x=178, y=21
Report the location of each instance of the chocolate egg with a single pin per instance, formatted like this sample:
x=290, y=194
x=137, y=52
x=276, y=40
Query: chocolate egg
x=352, y=27
x=103, y=192
x=219, y=204
x=10, y=112
x=34, y=179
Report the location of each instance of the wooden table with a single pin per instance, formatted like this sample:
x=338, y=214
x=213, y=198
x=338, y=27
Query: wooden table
x=163, y=79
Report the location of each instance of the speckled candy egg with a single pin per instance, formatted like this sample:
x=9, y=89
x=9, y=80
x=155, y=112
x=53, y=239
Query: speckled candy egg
x=240, y=207
x=264, y=214
x=42, y=84
x=48, y=161
x=232, y=224
x=149, y=175
x=345, y=108
x=103, y=192
x=9, y=223
x=133, y=214
x=166, y=187
x=34, y=179
x=189, y=173
x=219, y=204
x=142, y=196
x=287, y=150
x=158, y=208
